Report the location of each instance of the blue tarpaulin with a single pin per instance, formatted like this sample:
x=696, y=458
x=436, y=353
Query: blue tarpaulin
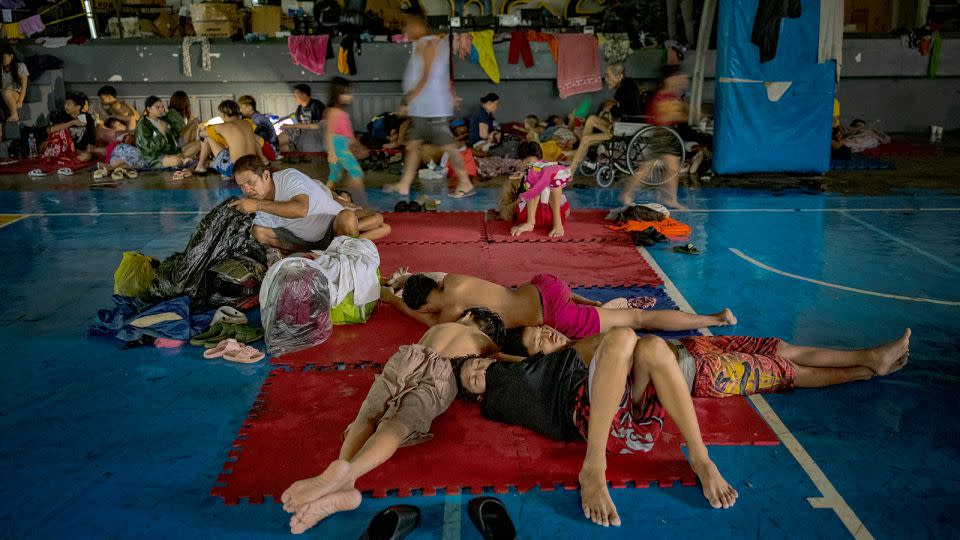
x=774, y=116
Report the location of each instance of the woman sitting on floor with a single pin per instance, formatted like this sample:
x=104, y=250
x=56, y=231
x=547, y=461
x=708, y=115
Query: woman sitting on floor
x=74, y=125
x=156, y=139
x=183, y=123
x=15, y=76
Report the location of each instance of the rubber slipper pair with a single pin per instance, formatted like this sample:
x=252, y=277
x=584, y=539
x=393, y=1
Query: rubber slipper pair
x=404, y=206
x=100, y=173
x=36, y=173
x=687, y=249
x=490, y=517
x=65, y=171
x=221, y=331
x=234, y=351
x=393, y=523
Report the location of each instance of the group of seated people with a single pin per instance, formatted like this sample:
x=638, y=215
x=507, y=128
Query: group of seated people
x=570, y=368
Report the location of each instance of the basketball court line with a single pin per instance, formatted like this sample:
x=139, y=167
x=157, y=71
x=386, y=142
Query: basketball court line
x=901, y=241
x=10, y=219
x=830, y=498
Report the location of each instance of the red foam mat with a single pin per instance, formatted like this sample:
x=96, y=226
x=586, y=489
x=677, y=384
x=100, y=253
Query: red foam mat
x=431, y=227
x=580, y=264
x=581, y=226
x=294, y=430
x=470, y=259
x=374, y=341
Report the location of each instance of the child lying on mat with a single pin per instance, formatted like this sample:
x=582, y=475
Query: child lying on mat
x=614, y=390
x=417, y=385
x=536, y=193
x=546, y=299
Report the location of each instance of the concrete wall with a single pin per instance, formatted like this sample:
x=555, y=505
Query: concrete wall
x=883, y=81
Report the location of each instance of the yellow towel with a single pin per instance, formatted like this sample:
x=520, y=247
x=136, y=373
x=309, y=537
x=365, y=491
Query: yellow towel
x=483, y=41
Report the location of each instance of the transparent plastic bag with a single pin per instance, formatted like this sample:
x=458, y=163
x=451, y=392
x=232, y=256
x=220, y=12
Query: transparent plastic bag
x=294, y=307
x=134, y=275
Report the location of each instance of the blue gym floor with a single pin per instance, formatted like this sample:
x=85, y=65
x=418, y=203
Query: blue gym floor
x=101, y=443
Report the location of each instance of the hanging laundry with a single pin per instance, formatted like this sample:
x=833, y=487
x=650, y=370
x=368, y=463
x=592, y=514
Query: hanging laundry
x=616, y=47
x=831, y=33
x=309, y=52
x=578, y=67
x=32, y=25
x=520, y=49
x=766, y=25
x=483, y=43
x=462, y=45
x=934, y=65
x=549, y=39
x=342, y=66
x=346, y=62
x=204, y=54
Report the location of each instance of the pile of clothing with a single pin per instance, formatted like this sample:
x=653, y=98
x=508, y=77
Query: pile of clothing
x=648, y=224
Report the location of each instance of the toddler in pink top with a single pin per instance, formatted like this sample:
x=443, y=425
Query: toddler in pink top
x=340, y=141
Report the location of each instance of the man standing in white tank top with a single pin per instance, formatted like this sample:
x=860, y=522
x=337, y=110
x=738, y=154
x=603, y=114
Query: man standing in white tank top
x=428, y=95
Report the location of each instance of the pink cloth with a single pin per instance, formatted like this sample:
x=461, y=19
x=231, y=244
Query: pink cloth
x=578, y=65
x=309, y=52
x=340, y=123
x=560, y=311
x=400, y=38
x=542, y=175
x=32, y=25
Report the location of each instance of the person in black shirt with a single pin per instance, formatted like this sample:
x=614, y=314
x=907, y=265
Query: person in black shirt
x=626, y=103
x=616, y=400
x=305, y=135
x=79, y=124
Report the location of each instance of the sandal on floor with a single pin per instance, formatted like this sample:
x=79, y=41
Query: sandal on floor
x=178, y=175
x=229, y=315
x=393, y=523
x=100, y=174
x=225, y=346
x=245, y=333
x=36, y=173
x=65, y=171
x=244, y=355
x=490, y=517
x=117, y=174
x=216, y=330
x=131, y=174
x=402, y=206
x=461, y=194
x=415, y=207
x=640, y=239
x=687, y=249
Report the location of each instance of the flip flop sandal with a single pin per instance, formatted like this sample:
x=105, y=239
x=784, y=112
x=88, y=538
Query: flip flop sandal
x=460, y=194
x=130, y=173
x=229, y=315
x=117, y=174
x=65, y=171
x=245, y=333
x=402, y=206
x=100, y=174
x=640, y=239
x=215, y=330
x=490, y=517
x=244, y=355
x=655, y=235
x=393, y=523
x=178, y=175
x=415, y=207
x=224, y=347
x=687, y=249
x=36, y=173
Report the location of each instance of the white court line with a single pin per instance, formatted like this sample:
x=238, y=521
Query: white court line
x=768, y=268
x=831, y=498
x=20, y=218
x=793, y=210
x=451, y=517
x=902, y=242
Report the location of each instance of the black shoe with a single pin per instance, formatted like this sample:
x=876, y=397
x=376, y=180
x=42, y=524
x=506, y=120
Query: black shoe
x=490, y=517
x=655, y=235
x=402, y=206
x=392, y=523
x=640, y=238
x=415, y=207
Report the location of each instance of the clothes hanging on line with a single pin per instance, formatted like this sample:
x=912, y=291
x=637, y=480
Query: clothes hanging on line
x=578, y=67
x=520, y=49
x=309, y=52
x=204, y=54
x=346, y=61
x=483, y=44
x=766, y=25
x=549, y=39
x=615, y=47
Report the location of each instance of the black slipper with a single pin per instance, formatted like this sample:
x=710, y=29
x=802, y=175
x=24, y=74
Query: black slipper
x=655, y=235
x=688, y=249
x=640, y=239
x=392, y=523
x=402, y=206
x=415, y=207
x=490, y=517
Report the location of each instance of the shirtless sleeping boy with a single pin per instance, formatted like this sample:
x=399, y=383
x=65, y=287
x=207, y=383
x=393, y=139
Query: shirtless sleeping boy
x=437, y=298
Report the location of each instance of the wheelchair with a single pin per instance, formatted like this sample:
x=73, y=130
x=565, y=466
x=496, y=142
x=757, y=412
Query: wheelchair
x=632, y=144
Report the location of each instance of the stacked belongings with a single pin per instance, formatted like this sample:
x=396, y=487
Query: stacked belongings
x=648, y=224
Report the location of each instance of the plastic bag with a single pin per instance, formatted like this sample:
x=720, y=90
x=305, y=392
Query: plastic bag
x=222, y=234
x=134, y=275
x=294, y=306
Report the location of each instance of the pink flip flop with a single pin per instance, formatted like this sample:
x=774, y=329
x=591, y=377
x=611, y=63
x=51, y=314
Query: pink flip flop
x=244, y=355
x=222, y=348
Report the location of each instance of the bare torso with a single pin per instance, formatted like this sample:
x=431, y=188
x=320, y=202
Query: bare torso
x=241, y=141
x=517, y=307
x=452, y=340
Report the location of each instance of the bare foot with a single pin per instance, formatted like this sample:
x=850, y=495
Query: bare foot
x=13, y=119
x=595, y=498
x=556, y=232
x=316, y=511
x=882, y=359
x=726, y=318
x=718, y=492
x=616, y=303
x=520, y=229
x=303, y=491
x=395, y=188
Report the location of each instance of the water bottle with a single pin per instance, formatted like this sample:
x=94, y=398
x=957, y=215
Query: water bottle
x=32, y=145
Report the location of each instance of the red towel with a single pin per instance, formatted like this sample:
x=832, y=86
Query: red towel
x=309, y=52
x=578, y=66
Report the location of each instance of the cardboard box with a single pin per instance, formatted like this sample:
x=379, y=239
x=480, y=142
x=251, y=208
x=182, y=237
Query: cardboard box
x=166, y=24
x=214, y=19
x=265, y=20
